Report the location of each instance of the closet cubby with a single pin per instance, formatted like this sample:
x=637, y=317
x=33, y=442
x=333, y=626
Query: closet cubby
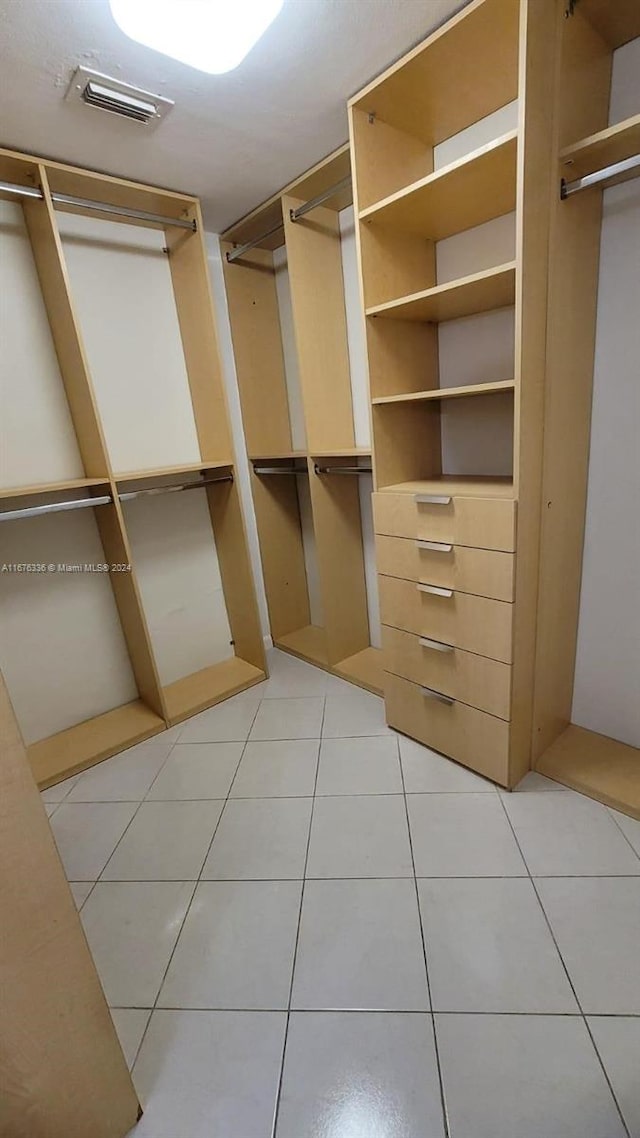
x=135, y=611
x=305, y=414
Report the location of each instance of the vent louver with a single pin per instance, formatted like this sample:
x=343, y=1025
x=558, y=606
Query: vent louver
x=93, y=89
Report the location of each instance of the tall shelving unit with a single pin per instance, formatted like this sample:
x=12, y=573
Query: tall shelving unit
x=97, y=654
x=585, y=143
x=451, y=153
x=298, y=489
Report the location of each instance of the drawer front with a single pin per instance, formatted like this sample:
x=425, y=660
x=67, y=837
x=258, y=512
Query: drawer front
x=472, y=679
x=472, y=737
x=486, y=523
x=476, y=624
x=482, y=571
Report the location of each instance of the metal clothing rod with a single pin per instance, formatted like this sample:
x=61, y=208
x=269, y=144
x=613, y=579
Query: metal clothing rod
x=569, y=188
x=233, y=254
x=54, y=508
x=280, y=470
x=173, y=489
x=296, y=214
x=343, y=469
x=100, y=207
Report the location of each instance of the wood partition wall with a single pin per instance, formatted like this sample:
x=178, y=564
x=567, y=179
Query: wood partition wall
x=340, y=640
x=90, y=412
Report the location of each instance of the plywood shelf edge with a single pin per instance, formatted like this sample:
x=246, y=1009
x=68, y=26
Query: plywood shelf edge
x=604, y=148
x=479, y=292
x=471, y=389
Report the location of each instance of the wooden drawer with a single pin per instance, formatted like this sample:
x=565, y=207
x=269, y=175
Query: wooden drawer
x=472, y=737
x=482, y=571
x=472, y=679
x=476, y=624
x=486, y=523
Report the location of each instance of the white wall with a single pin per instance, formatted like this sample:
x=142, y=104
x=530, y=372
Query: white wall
x=607, y=679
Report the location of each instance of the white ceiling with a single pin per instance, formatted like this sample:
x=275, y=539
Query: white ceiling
x=231, y=139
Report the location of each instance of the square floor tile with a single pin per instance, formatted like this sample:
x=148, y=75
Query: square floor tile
x=289, y=719
x=360, y=836
x=563, y=834
x=124, y=778
x=360, y=946
x=462, y=835
x=167, y=841
x=87, y=833
x=426, y=772
x=197, y=771
x=291, y=678
x=523, y=1077
x=489, y=948
x=617, y=1039
x=236, y=947
x=282, y=769
x=596, y=922
x=81, y=890
x=369, y=1074
x=227, y=722
x=130, y=1024
x=209, y=1074
x=534, y=781
x=355, y=712
x=630, y=828
x=260, y=839
x=132, y=927
x=60, y=791
x=367, y=765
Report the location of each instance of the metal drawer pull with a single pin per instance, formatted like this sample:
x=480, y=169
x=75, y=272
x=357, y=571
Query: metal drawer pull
x=431, y=499
x=437, y=645
x=431, y=694
x=434, y=589
x=436, y=546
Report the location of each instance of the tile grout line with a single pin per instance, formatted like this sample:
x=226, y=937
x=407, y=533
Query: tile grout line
x=276, y=1109
x=443, y=1101
x=566, y=970
x=619, y=827
x=195, y=887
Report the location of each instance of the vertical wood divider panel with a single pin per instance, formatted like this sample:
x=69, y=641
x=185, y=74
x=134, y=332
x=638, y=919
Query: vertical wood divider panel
x=257, y=347
x=536, y=183
x=317, y=299
x=56, y=291
x=113, y=534
x=61, y=1067
x=335, y=503
x=282, y=552
x=235, y=570
x=194, y=303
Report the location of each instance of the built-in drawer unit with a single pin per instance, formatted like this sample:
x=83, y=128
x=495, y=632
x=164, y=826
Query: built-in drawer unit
x=485, y=572
x=487, y=523
x=472, y=679
x=476, y=624
x=472, y=737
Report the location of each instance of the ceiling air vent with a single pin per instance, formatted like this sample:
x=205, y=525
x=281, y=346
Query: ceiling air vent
x=108, y=94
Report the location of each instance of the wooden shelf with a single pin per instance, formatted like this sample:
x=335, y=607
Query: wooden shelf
x=209, y=686
x=468, y=192
x=599, y=767
x=343, y=452
x=480, y=292
x=53, y=487
x=309, y=643
x=618, y=21
x=448, y=392
x=274, y=457
x=457, y=485
x=364, y=668
x=613, y=144
x=78, y=747
x=165, y=471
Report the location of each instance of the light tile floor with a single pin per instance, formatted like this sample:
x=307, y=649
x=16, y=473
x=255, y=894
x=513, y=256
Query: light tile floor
x=308, y=926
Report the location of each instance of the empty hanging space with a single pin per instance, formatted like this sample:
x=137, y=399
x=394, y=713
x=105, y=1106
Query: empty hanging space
x=81, y=682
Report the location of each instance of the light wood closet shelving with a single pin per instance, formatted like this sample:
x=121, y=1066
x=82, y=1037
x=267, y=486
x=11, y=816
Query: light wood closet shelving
x=583, y=143
x=457, y=446
x=340, y=641
x=67, y=425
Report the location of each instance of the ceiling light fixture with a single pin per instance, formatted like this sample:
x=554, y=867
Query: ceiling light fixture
x=210, y=35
